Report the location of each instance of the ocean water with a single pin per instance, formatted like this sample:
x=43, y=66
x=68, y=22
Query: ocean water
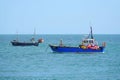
x=40, y=63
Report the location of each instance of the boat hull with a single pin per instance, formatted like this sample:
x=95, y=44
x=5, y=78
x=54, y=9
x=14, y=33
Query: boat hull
x=24, y=44
x=74, y=49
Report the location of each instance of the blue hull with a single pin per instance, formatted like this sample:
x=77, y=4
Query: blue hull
x=74, y=49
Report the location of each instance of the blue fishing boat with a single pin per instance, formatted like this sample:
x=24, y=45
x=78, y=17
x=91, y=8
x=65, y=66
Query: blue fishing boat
x=87, y=45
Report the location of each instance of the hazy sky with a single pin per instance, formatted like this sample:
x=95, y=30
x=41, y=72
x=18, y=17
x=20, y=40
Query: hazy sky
x=59, y=16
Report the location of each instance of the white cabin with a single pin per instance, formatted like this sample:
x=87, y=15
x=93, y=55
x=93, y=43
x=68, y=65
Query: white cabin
x=89, y=41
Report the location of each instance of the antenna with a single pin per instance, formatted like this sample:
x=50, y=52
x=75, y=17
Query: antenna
x=90, y=24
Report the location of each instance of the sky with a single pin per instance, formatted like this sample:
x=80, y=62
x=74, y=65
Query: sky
x=59, y=16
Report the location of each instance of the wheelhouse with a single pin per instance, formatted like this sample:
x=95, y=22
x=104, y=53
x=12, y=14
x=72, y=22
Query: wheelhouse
x=89, y=41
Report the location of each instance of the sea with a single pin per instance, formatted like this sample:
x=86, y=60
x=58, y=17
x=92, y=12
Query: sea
x=40, y=63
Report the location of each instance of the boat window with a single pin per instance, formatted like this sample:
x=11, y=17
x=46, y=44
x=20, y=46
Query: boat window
x=85, y=41
x=90, y=41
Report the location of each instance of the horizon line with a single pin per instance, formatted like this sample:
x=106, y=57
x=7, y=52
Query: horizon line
x=62, y=34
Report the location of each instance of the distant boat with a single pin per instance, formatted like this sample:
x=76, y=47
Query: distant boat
x=32, y=42
x=88, y=45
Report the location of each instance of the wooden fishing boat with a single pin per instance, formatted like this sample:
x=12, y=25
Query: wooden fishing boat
x=32, y=42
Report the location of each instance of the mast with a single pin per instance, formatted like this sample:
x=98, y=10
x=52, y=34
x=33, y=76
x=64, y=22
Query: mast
x=91, y=33
x=16, y=35
x=33, y=38
x=34, y=33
